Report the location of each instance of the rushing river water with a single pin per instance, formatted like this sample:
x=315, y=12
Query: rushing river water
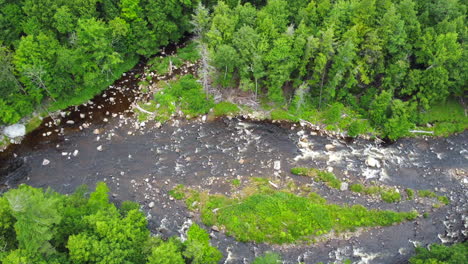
x=101, y=141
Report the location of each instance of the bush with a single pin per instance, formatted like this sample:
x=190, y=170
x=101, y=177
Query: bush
x=198, y=247
x=318, y=175
x=268, y=258
x=43, y=227
x=225, y=108
x=391, y=196
x=359, y=188
x=410, y=193
x=282, y=115
x=436, y=254
x=280, y=217
x=426, y=194
x=333, y=114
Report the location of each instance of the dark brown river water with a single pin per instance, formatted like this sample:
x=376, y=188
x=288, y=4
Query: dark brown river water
x=142, y=162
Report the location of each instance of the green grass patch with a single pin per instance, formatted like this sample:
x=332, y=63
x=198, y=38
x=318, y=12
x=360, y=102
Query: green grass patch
x=390, y=196
x=359, y=188
x=226, y=108
x=409, y=194
x=426, y=194
x=370, y=190
x=187, y=54
x=443, y=200
x=268, y=258
x=280, y=217
x=440, y=254
x=178, y=192
x=184, y=94
x=33, y=123
x=283, y=115
x=236, y=182
x=446, y=117
x=318, y=175
x=88, y=93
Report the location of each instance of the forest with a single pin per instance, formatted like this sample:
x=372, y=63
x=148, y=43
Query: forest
x=389, y=62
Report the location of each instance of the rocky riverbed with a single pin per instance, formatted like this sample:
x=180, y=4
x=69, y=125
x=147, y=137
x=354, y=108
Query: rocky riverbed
x=141, y=161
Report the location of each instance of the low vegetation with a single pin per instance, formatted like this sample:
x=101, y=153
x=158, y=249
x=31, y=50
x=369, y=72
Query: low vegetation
x=318, y=175
x=278, y=216
x=161, y=65
x=268, y=258
x=44, y=227
x=440, y=254
x=225, y=108
x=184, y=94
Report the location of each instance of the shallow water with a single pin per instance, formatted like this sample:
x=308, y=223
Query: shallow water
x=142, y=162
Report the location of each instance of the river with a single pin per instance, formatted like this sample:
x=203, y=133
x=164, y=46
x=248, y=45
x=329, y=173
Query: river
x=102, y=141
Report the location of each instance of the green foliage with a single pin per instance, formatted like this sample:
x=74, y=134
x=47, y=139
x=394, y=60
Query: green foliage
x=236, y=182
x=440, y=254
x=166, y=253
x=198, y=247
x=409, y=193
x=359, y=188
x=390, y=196
x=42, y=227
x=71, y=50
x=280, y=217
x=184, y=93
x=318, y=175
x=446, y=118
x=387, y=61
x=426, y=193
x=225, y=108
x=443, y=199
x=268, y=258
x=178, y=192
x=282, y=115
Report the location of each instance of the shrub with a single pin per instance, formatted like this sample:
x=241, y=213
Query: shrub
x=198, y=247
x=443, y=200
x=455, y=254
x=410, y=193
x=268, y=258
x=391, y=196
x=225, y=108
x=318, y=175
x=427, y=193
x=280, y=217
x=282, y=115
x=359, y=188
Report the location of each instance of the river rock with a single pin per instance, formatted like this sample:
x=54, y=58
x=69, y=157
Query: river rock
x=70, y=122
x=75, y=153
x=99, y=148
x=16, y=130
x=96, y=131
x=329, y=147
x=45, y=162
x=277, y=165
x=344, y=186
x=151, y=205
x=215, y=228
x=371, y=162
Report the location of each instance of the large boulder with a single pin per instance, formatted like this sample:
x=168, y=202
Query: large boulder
x=372, y=162
x=14, y=131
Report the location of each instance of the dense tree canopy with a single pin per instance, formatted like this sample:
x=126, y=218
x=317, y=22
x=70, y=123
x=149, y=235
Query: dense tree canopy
x=412, y=53
x=301, y=54
x=41, y=227
x=70, y=50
